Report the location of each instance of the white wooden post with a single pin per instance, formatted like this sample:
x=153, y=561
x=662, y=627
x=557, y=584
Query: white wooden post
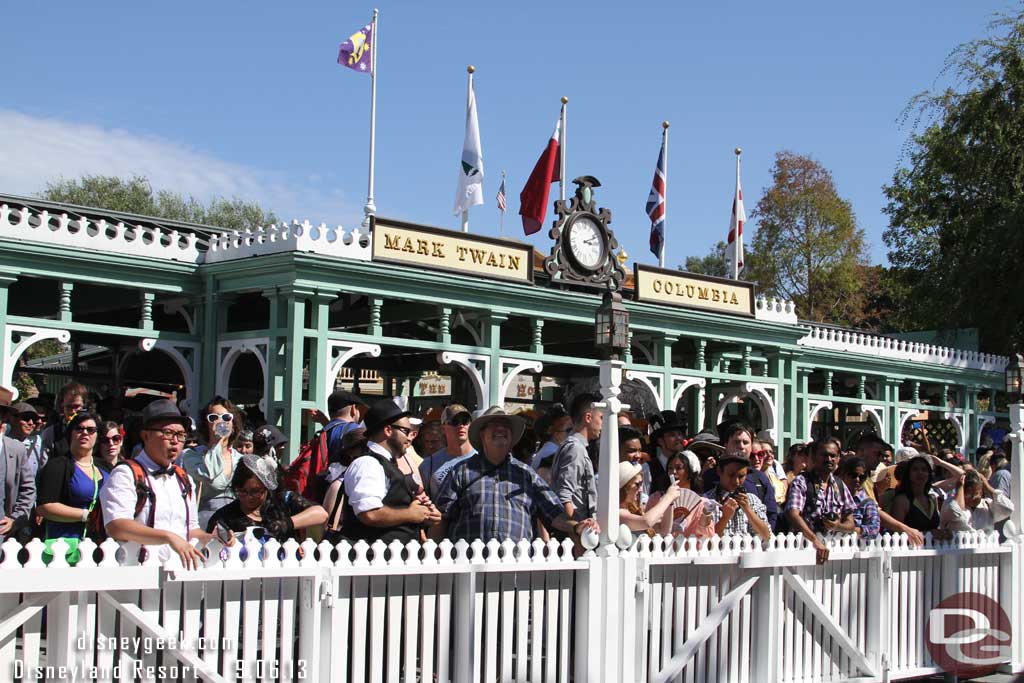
x=608, y=479
x=1016, y=437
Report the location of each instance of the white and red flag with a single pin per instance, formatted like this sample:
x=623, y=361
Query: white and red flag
x=734, y=249
x=533, y=200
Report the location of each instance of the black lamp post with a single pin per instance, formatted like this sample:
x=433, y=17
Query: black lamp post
x=611, y=326
x=1014, y=378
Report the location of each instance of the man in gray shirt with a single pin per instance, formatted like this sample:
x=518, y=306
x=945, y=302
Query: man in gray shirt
x=572, y=470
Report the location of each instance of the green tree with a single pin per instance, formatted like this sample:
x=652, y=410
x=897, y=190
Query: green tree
x=712, y=264
x=136, y=195
x=808, y=247
x=957, y=205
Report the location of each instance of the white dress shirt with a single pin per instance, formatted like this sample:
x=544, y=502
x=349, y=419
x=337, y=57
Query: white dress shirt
x=173, y=511
x=365, y=481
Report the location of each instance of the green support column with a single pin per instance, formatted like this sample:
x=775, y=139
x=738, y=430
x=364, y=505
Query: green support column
x=207, y=331
x=64, y=303
x=295, y=312
x=444, y=325
x=6, y=280
x=492, y=327
x=319, y=362
x=892, y=410
x=146, y=319
x=537, y=335
x=664, y=346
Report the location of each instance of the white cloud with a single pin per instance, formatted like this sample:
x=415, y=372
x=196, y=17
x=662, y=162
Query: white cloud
x=38, y=150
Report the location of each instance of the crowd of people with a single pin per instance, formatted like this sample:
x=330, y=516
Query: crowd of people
x=377, y=471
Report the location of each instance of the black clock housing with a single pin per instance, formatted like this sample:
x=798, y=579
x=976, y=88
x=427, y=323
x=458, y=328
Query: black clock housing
x=564, y=265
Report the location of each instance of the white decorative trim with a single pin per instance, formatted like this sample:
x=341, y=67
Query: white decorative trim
x=813, y=408
x=763, y=394
x=878, y=414
x=680, y=383
x=295, y=236
x=651, y=380
x=82, y=233
x=775, y=310
x=510, y=368
x=981, y=421
x=228, y=353
x=647, y=350
x=188, y=369
x=477, y=366
x=27, y=336
x=177, y=306
x=898, y=349
x=961, y=438
x=333, y=365
x=905, y=414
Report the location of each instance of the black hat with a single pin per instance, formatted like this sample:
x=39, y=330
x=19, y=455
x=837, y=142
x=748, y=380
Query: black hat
x=543, y=423
x=381, y=414
x=163, y=410
x=666, y=421
x=341, y=398
x=267, y=437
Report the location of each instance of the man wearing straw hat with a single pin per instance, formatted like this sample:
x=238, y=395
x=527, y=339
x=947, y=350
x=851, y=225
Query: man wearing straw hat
x=493, y=495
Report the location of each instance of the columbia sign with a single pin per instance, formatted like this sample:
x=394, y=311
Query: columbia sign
x=968, y=635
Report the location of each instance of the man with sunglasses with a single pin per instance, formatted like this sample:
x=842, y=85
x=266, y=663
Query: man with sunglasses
x=381, y=502
x=455, y=420
x=149, y=501
x=854, y=472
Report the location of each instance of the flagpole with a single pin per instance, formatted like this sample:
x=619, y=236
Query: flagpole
x=736, y=209
x=561, y=153
x=501, y=217
x=664, y=198
x=469, y=95
x=370, y=209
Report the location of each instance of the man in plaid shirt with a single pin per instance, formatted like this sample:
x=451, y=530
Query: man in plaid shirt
x=817, y=501
x=493, y=495
x=736, y=511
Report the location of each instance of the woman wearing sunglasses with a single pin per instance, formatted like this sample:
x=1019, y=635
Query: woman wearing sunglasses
x=109, y=445
x=212, y=463
x=68, y=489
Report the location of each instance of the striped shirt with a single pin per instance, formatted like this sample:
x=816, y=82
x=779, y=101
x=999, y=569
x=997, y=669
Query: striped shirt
x=481, y=500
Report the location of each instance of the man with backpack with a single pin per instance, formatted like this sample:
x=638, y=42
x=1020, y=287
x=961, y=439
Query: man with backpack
x=306, y=474
x=150, y=501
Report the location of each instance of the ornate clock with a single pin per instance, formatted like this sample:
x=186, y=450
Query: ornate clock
x=584, y=249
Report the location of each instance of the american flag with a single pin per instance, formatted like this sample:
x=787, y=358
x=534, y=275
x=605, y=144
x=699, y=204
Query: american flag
x=502, y=206
x=656, y=205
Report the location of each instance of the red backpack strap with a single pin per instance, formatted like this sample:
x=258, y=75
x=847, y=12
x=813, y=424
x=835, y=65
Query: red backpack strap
x=143, y=492
x=183, y=481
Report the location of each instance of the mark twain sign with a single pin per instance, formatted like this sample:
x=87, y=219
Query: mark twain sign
x=679, y=288
x=427, y=247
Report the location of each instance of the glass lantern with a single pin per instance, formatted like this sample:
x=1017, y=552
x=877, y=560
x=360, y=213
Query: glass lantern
x=611, y=326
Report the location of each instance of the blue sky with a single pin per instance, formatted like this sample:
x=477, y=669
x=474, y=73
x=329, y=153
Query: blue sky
x=245, y=99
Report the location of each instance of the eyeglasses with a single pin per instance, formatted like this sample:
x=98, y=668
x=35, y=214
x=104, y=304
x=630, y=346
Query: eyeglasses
x=84, y=430
x=858, y=477
x=405, y=430
x=213, y=417
x=27, y=417
x=251, y=493
x=169, y=434
x=115, y=440
x=459, y=421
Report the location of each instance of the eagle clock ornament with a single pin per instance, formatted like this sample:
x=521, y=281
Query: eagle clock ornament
x=584, y=250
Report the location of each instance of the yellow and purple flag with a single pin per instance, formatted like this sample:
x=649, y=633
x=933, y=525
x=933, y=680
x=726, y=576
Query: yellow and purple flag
x=357, y=52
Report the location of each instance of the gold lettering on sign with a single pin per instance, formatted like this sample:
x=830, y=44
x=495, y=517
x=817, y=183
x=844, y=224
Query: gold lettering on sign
x=433, y=248
x=693, y=291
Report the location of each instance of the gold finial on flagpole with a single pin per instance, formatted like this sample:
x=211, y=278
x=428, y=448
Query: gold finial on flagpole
x=470, y=68
x=739, y=151
x=664, y=124
x=565, y=100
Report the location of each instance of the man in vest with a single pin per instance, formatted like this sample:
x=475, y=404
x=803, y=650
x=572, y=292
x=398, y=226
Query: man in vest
x=381, y=502
x=20, y=477
x=167, y=517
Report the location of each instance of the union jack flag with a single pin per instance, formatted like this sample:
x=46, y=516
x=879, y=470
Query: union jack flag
x=656, y=205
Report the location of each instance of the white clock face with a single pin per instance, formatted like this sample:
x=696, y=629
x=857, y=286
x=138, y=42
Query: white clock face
x=585, y=242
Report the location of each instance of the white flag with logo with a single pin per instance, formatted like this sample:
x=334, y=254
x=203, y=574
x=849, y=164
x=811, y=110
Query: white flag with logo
x=471, y=170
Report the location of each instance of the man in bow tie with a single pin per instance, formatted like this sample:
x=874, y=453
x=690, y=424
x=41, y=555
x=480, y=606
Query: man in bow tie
x=149, y=501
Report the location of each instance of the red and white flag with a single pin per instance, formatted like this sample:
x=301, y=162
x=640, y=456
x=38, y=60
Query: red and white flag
x=734, y=250
x=533, y=200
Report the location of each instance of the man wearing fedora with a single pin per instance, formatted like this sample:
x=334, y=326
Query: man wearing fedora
x=20, y=477
x=493, y=495
x=167, y=517
x=382, y=502
x=668, y=438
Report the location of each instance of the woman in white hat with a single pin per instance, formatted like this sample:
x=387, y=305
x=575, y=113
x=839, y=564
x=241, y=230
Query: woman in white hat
x=658, y=518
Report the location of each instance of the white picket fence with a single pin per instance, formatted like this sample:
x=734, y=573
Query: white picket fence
x=662, y=610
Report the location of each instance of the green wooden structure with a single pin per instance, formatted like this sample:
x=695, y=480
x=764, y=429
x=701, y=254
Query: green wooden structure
x=295, y=304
